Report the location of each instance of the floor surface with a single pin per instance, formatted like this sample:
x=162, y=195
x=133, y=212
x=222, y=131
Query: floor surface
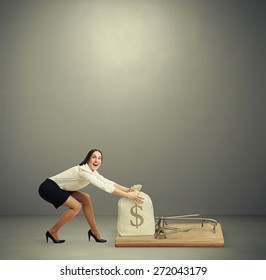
x=22, y=238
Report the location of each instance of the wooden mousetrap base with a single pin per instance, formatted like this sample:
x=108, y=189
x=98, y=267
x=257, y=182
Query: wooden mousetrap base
x=196, y=237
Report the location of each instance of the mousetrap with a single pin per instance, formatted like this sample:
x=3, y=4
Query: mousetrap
x=185, y=231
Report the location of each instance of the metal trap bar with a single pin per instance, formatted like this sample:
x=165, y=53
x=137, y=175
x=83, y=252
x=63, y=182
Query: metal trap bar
x=161, y=224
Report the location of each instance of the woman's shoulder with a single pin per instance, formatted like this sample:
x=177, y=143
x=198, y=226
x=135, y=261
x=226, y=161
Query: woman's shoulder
x=85, y=168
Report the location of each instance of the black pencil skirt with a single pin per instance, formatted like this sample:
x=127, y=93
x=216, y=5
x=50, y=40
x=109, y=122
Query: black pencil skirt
x=52, y=193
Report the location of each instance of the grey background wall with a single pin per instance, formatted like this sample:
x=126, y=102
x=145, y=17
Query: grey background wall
x=173, y=92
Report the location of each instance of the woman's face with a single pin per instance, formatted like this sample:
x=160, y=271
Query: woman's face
x=95, y=161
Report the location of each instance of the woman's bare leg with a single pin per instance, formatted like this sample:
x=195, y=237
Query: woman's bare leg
x=88, y=211
x=74, y=208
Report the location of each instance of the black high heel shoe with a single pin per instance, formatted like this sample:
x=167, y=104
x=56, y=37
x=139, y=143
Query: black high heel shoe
x=49, y=235
x=95, y=238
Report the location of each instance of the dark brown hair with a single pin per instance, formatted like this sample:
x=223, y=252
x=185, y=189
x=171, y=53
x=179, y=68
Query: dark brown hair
x=87, y=158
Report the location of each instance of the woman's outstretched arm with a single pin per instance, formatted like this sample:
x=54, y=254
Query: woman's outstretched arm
x=122, y=188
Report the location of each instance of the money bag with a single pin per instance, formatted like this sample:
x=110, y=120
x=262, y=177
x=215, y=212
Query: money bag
x=135, y=218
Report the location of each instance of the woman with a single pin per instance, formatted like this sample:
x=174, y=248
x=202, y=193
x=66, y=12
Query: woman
x=64, y=189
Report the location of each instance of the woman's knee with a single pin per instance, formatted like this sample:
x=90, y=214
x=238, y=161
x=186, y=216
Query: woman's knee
x=82, y=197
x=73, y=204
x=76, y=207
x=87, y=199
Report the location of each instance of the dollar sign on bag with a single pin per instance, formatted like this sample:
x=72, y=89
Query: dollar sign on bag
x=139, y=218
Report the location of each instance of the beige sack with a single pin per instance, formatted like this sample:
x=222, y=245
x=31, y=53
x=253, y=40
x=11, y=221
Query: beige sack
x=135, y=218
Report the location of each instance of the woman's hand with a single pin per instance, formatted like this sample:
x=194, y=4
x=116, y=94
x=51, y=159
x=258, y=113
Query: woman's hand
x=135, y=196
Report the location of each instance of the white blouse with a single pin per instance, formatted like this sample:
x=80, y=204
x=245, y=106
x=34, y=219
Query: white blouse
x=78, y=177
